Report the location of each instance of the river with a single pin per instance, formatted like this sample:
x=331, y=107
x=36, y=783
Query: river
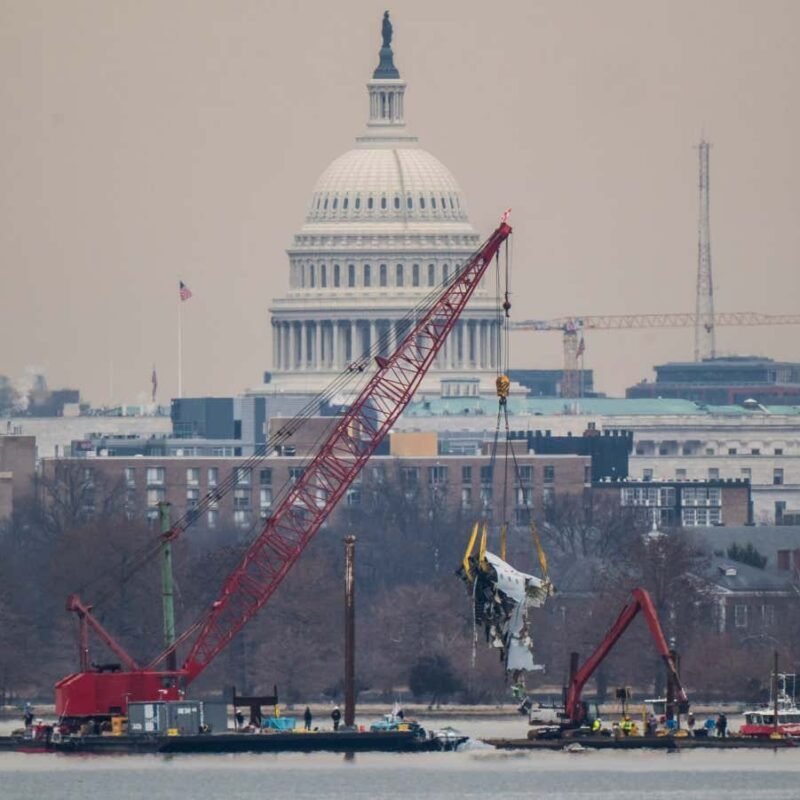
x=476, y=772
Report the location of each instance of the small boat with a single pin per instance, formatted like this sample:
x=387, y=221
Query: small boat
x=761, y=722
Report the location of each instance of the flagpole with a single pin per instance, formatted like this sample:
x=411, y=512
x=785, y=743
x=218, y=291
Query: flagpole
x=180, y=346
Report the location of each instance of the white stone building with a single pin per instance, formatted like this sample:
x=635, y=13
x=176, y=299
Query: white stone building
x=386, y=225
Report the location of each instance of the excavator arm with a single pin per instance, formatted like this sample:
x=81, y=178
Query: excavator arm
x=641, y=601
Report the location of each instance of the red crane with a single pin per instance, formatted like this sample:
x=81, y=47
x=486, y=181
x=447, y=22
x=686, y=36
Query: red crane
x=295, y=521
x=574, y=709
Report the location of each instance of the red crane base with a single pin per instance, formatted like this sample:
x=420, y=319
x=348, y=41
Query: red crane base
x=92, y=694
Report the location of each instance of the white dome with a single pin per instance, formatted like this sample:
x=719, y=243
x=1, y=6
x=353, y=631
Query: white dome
x=400, y=184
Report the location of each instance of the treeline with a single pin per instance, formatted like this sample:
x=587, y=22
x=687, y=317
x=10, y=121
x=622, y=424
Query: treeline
x=414, y=617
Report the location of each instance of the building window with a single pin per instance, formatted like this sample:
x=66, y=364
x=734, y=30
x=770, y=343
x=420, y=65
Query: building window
x=193, y=476
x=524, y=495
x=415, y=274
x=522, y=516
x=265, y=477
x=358, y=203
x=212, y=518
x=746, y=473
x=353, y=496
x=431, y=274
x=433, y=203
x=410, y=203
x=700, y=517
x=345, y=203
x=396, y=201
x=369, y=203
x=768, y=615
x=241, y=499
x=295, y=473
x=680, y=474
x=242, y=476
x=466, y=474
x=778, y=451
x=383, y=275
x=192, y=499
x=265, y=497
x=647, y=474
x=241, y=518
x=466, y=497
x=780, y=510
x=732, y=451
x=155, y=476
x=548, y=496
x=336, y=276
x=323, y=275
x=445, y=273
x=526, y=473
x=487, y=474
x=755, y=451
x=437, y=476
x=383, y=203
x=409, y=477
x=713, y=473
x=213, y=476
x=351, y=275
x=549, y=473
x=312, y=274
x=367, y=275
x=777, y=477
x=486, y=497
x=130, y=476
x=399, y=275
x=155, y=496
x=740, y=616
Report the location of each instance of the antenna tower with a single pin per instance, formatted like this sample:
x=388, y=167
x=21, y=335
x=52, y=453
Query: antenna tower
x=704, y=344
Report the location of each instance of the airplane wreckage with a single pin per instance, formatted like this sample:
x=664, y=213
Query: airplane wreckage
x=502, y=596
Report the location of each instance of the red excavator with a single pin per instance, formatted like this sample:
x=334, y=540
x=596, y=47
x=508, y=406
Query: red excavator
x=575, y=710
x=101, y=691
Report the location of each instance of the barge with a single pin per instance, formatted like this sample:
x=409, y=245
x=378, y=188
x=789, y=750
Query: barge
x=344, y=741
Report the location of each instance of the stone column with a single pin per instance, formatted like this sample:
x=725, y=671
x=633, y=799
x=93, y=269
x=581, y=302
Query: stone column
x=319, y=349
x=292, y=345
x=303, y=346
x=354, y=348
x=373, y=334
x=482, y=344
x=336, y=360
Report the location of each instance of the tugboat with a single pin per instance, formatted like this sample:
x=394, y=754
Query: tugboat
x=761, y=722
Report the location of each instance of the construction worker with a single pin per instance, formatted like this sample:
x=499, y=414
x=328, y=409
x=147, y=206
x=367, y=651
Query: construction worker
x=627, y=725
x=596, y=725
x=336, y=715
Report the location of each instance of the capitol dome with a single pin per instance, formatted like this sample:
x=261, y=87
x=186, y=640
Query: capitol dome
x=380, y=184
x=386, y=223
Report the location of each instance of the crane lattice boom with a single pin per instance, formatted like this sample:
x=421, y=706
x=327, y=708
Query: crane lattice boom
x=298, y=516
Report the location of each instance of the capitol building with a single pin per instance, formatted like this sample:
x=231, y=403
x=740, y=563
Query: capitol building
x=386, y=224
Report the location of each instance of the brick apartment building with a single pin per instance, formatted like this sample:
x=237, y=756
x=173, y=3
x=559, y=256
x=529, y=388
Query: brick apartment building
x=466, y=482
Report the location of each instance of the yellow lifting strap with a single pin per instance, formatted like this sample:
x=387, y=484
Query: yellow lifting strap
x=503, y=541
x=503, y=385
x=470, y=547
x=540, y=552
x=482, y=550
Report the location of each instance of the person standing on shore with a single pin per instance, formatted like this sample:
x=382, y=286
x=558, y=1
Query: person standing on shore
x=307, y=717
x=336, y=715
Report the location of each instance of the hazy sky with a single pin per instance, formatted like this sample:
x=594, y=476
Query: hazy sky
x=143, y=141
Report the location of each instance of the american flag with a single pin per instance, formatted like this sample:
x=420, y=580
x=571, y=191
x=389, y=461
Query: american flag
x=184, y=290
